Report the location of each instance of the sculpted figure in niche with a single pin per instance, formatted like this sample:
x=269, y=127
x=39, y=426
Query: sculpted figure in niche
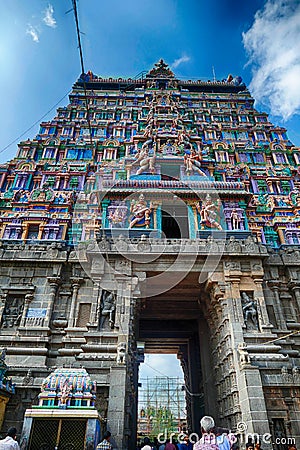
x=250, y=244
x=249, y=311
x=286, y=376
x=296, y=375
x=235, y=220
x=243, y=352
x=233, y=245
x=140, y=211
x=108, y=306
x=271, y=202
x=65, y=391
x=12, y=313
x=121, y=353
x=146, y=157
x=192, y=162
x=209, y=213
x=117, y=213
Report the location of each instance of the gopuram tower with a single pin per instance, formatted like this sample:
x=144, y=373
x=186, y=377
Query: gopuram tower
x=162, y=216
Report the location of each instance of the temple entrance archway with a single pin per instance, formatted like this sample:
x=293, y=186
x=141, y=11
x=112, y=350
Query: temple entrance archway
x=174, y=322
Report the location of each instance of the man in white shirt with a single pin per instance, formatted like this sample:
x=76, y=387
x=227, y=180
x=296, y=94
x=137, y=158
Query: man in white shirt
x=10, y=443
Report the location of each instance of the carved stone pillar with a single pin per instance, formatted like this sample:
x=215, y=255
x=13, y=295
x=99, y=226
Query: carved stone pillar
x=232, y=272
x=116, y=405
x=119, y=373
x=3, y=296
x=262, y=308
x=28, y=299
x=41, y=230
x=96, y=307
x=275, y=286
x=252, y=401
x=76, y=282
x=226, y=322
x=296, y=291
x=182, y=356
x=270, y=185
x=97, y=271
x=54, y=283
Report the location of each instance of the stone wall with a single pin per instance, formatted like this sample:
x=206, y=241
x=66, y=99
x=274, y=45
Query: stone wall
x=61, y=308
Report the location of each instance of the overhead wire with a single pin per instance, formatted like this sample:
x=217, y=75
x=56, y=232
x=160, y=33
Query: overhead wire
x=185, y=386
x=78, y=32
x=281, y=337
x=83, y=74
x=35, y=123
x=60, y=100
x=92, y=148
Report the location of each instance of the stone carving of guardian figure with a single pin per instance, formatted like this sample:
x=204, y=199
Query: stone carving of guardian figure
x=108, y=307
x=249, y=311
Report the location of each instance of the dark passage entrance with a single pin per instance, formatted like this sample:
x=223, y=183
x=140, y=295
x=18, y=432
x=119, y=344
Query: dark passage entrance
x=175, y=221
x=170, y=227
x=173, y=322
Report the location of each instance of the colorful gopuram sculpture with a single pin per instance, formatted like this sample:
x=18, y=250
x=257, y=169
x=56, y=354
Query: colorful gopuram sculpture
x=184, y=201
x=153, y=133
x=66, y=408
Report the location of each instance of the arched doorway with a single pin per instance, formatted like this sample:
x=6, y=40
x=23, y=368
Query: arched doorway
x=174, y=322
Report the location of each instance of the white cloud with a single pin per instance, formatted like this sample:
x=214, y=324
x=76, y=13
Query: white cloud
x=33, y=32
x=179, y=61
x=49, y=17
x=272, y=44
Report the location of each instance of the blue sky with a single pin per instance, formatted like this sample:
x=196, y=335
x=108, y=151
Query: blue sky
x=39, y=58
x=160, y=365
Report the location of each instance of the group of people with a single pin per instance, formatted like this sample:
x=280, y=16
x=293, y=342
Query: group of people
x=213, y=438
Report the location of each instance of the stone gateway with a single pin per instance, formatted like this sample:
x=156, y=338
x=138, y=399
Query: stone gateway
x=162, y=215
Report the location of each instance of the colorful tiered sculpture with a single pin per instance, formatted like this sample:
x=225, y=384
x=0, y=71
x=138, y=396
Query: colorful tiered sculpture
x=66, y=402
x=68, y=388
x=142, y=202
x=153, y=133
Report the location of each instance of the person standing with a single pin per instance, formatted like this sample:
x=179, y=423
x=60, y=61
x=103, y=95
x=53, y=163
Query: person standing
x=105, y=444
x=169, y=445
x=10, y=443
x=147, y=444
x=186, y=444
x=210, y=440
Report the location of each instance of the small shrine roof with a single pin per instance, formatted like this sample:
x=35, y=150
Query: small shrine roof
x=160, y=70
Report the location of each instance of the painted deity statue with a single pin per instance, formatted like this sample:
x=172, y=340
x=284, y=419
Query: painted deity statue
x=210, y=213
x=117, y=214
x=65, y=391
x=140, y=212
x=146, y=158
x=235, y=219
x=192, y=162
